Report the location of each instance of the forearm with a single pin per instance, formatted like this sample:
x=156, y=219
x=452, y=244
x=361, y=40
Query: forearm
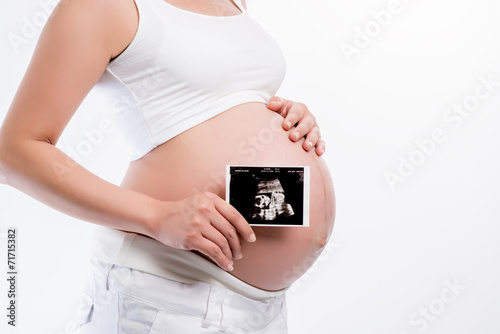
x=203, y=222
x=42, y=171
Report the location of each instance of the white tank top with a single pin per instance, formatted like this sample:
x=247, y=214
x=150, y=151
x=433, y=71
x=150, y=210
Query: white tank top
x=183, y=68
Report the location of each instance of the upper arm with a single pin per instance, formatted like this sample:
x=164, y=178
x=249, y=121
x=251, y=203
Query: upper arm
x=73, y=51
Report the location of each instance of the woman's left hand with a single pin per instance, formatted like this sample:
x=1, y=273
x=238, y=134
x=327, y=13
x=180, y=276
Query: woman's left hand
x=297, y=114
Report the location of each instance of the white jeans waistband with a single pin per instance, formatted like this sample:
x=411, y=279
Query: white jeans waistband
x=151, y=256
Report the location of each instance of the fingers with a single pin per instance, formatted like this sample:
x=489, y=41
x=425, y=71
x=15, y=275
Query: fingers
x=226, y=237
x=306, y=127
x=275, y=103
x=298, y=113
x=313, y=141
x=227, y=222
x=218, y=222
x=212, y=250
x=235, y=218
x=320, y=147
x=312, y=138
x=279, y=105
x=208, y=224
x=217, y=237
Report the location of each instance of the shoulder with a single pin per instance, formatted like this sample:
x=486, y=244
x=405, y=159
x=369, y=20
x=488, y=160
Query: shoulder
x=110, y=22
x=85, y=10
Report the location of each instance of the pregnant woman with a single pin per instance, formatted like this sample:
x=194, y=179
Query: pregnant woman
x=169, y=255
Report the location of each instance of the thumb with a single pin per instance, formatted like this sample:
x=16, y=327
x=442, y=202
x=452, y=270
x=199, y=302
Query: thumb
x=275, y=104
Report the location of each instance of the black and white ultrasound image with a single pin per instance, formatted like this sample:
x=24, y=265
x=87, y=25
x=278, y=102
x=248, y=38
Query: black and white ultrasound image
x=270, y=196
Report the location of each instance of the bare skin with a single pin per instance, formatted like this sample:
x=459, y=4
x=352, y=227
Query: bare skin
x=270, y=263
x=61, y=74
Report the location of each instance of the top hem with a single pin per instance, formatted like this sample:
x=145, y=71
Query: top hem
x=188, y=123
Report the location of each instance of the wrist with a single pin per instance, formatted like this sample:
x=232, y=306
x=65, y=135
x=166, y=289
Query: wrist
x=150, y=216
x=154, y=216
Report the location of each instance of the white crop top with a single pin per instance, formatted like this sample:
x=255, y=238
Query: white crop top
x=183, y=68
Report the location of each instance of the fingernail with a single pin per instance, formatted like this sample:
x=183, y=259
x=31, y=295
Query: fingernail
x=230, y=267
x=288, y=125
x=238, y=256
x=309, y=144
x=321, y=151
x=252, y=238
x=296, y=135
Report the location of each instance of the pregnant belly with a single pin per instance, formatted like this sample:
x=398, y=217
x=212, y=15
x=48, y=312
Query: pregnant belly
x=248, y=134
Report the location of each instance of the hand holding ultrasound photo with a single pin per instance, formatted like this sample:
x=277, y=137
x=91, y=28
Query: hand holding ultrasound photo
x=269, y=196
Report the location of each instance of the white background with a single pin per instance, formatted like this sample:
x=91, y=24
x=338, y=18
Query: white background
x=394, y=252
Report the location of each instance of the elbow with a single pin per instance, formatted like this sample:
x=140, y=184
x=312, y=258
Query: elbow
x=16, y=157
x=7, y=160
x=3, y=174
x=3, y=162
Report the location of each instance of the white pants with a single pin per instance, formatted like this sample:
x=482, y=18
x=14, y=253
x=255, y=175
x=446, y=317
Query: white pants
x=122, y=300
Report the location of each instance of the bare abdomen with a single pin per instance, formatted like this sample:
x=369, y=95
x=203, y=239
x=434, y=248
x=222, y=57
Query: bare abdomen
x=248, y=134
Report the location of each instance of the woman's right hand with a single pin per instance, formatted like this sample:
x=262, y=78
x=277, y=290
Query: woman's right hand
x=205, y=223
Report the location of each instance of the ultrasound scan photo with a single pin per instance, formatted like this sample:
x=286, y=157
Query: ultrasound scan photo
x=270, y=196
